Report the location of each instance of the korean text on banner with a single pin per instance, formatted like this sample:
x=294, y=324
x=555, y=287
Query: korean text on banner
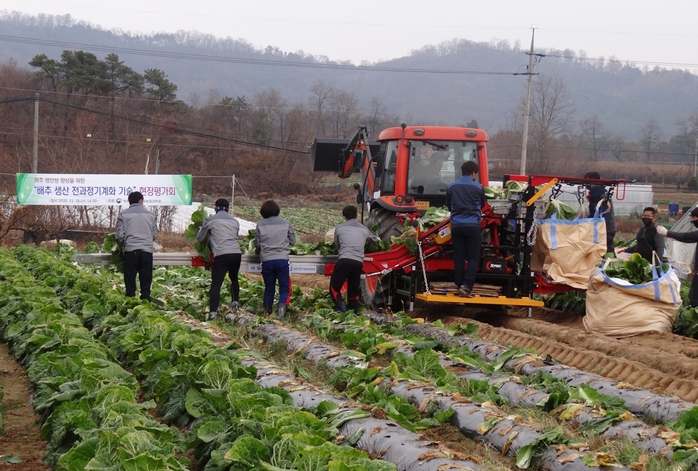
x=96, y=189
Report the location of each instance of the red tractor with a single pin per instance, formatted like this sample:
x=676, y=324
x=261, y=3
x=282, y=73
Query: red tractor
x=405, y=172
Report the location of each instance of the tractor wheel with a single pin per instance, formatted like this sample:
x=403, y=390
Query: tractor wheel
x=388, y=223
x=375, y=294
x=375, y=290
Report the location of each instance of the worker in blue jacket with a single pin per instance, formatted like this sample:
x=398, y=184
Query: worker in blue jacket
x=136, y=229
x=221, y=230
x=350, y=239
x=465, y=199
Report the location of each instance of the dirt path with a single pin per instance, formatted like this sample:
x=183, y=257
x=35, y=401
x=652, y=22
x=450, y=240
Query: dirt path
x=21, y=425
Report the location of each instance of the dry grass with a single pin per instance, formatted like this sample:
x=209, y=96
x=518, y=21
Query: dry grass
x=173, y=242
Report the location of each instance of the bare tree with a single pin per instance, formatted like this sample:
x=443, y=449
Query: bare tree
x=618, y=146
x=343, y=113
x=593, y=136
x=689, y=125
x=319, y=101
x=651, y=133
x=551, y=113
x=298, y=127
x=275, y=109
x=376, y=116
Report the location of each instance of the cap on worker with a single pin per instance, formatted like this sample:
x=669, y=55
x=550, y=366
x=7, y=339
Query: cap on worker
x=222, y=204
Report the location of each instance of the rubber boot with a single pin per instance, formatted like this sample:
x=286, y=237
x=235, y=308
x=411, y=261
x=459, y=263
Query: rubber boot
x=354, y=306
x=267, y=309
x=234, y=311
x=340, y=306
x=281, y=312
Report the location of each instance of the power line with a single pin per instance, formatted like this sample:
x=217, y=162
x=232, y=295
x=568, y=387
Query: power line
x=589, y=149
x=86, y=95
x=622, y=61
x=15, y=100
x=296, y=64
x=252, y=106
x=175, y=129
x=24, y=132
x=239, y=60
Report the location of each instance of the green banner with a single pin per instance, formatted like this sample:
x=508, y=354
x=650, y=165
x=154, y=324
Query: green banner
x=97, y=189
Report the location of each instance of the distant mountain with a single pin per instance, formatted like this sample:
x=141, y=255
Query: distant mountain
x=470, y=80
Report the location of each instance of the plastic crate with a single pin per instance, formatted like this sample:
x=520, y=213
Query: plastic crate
x=499, y=206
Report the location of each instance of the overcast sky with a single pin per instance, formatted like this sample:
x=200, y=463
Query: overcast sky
x=663, y=33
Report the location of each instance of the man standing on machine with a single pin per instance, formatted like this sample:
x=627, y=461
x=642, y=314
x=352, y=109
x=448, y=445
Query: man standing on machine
x=465, y=199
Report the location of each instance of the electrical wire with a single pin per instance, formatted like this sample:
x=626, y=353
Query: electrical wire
x=240, y=60
x=174, y=129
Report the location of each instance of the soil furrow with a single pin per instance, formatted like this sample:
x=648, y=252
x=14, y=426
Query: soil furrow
x=20, y=436
x=669, y=353
x=641, y=361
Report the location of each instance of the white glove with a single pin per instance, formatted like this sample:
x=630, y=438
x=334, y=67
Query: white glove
x=661, y=230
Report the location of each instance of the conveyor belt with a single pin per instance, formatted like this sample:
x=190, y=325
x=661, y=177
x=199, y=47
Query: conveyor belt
x=174, y=258
x=300, y=264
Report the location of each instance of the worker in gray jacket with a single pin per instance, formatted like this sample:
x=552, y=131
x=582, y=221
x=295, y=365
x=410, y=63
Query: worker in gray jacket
x=221, y=230
x=350, y=239
x=274, y=237
x=136, y=229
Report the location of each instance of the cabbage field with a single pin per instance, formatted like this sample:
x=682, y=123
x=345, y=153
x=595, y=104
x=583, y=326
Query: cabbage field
x=125, y=384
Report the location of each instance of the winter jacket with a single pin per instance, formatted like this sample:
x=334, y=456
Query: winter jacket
x=350, y=239
x=648, y=241
x=221, y=229
x=596, y=194
x=136, y=228
x=465, y=198
x=688, y=237
x=274, y=237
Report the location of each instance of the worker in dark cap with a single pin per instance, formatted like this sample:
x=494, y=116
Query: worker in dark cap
x=221, y=231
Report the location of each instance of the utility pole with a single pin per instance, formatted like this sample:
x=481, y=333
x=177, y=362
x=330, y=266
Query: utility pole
x=695, y=158
x=35, y=153
x=527, y=112
x=232, y=195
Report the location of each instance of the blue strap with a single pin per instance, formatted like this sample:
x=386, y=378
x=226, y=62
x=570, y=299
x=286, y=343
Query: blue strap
x=596, y=232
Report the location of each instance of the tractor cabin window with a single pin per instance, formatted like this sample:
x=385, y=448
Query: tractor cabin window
x=435, y=164
x=389, y=152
